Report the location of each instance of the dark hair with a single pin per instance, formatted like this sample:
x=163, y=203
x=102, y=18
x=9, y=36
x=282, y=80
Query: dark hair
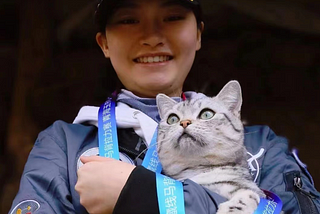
x=106, y=8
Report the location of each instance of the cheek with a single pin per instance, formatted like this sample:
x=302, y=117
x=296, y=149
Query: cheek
x=187, y=40
x=115, y=51
x=206, y=131
x=118, y=45
x=185, y=47
x=119, y=57
x=170, y=133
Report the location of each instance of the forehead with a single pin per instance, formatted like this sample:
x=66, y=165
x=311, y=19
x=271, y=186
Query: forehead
x=194, y=106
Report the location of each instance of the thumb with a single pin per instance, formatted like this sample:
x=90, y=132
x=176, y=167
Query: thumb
x=93, y=158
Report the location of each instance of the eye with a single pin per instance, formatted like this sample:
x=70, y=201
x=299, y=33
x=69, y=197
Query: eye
x=206, y=114
x=174, y=18
x=129, y=21
x=172, y=119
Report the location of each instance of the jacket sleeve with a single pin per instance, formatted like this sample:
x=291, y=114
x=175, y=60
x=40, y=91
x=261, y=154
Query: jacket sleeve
x=139, y=195
x=44, y=183
x=282, y=174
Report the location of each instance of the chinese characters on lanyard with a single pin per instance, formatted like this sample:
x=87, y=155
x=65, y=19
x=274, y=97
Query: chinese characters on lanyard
x=169, y=191
x=107, y=129
x=271, y=204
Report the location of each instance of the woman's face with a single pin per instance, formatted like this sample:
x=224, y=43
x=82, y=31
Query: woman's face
x=151, y=45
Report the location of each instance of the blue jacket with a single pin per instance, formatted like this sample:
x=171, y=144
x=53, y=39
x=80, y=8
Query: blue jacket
x=50, y=174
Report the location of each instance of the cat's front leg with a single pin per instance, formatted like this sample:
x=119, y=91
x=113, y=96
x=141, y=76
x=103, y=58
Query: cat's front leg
x=242, y=202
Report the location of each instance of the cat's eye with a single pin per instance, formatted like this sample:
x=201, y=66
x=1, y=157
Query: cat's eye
x=206, y=114
x=172, y=119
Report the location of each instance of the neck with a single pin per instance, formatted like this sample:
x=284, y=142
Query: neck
x=146, y=105
x=153, y=94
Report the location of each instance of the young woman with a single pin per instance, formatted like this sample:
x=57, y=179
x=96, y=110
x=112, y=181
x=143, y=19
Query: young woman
x=152, y=46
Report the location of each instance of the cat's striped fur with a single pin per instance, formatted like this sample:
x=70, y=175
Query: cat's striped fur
x=202, y=140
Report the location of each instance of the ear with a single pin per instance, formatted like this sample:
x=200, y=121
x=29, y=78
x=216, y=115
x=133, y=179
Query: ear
x=103, y=43
x=164, y=104
x=231, y=96
x=199, y=34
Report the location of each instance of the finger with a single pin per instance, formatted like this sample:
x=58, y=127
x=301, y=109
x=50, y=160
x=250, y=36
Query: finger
x=87, y=159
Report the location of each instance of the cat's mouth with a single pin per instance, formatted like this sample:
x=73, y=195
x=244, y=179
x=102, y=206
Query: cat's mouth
x=184, y=137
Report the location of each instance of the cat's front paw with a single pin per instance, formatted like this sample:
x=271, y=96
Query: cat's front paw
x=244, y=202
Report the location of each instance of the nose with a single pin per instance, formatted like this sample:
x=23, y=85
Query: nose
x=185, y=123
x=151, y=35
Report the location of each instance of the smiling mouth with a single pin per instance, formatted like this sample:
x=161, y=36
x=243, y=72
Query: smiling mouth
x=153, y=59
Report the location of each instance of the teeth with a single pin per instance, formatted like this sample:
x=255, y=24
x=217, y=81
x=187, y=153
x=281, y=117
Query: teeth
x=151, y=59
x=156, y=59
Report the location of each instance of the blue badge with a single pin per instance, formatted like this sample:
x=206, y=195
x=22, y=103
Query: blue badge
x=90, y=152
x=271, y=204
x=26, y=207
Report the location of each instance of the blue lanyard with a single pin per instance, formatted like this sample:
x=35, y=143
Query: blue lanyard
x=107, y=129
x=271, y=204
x=169, y=191
x=151, y=160
x=108, y=138
x=170, y=195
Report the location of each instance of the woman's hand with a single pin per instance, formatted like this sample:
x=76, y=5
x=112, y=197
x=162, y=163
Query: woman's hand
x=100, y=181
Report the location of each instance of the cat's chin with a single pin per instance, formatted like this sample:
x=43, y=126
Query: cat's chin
x=187, y=142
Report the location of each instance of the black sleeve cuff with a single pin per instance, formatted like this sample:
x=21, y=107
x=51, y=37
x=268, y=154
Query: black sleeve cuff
x=139, y=195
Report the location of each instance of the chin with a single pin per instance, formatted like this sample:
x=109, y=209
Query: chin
x=160, y=87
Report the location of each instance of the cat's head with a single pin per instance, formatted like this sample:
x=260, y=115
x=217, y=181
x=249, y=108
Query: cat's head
x=208, y=127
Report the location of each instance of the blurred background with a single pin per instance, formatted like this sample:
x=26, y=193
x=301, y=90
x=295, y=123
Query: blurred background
x=51, y=66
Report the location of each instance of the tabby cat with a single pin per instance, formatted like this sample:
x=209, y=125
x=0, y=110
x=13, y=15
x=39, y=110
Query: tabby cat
x=202, y=140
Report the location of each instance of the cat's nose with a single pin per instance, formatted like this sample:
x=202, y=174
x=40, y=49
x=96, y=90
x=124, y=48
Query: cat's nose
x=185, y=123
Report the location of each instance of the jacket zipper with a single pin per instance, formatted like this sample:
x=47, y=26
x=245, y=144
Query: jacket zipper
x=305, y=198
x=298, y=185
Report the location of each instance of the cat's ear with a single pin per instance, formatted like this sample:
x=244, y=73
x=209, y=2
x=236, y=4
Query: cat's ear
x=231, y=96
x=164, y=104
